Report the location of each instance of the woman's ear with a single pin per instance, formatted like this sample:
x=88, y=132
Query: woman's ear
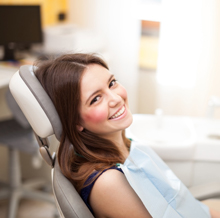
x=80, y=128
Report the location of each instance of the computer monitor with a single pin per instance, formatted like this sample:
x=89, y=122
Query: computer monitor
x=20, y=25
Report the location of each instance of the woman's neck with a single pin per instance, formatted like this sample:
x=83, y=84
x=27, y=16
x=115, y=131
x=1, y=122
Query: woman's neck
x=117, y=139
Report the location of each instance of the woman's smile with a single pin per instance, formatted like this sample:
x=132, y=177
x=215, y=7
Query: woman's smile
x=119, y=114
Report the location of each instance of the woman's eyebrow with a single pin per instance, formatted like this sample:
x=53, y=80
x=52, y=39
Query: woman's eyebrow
x=110, y=78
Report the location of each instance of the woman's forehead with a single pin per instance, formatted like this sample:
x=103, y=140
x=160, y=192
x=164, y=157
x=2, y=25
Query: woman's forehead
x=94, y=78
x=94, y=73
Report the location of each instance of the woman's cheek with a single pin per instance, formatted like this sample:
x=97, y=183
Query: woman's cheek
x=96, y=116
x=123, y=93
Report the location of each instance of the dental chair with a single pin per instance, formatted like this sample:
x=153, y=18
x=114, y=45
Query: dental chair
x=44, y=120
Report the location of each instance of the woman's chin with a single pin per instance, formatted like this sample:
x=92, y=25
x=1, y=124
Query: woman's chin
x=129, y=120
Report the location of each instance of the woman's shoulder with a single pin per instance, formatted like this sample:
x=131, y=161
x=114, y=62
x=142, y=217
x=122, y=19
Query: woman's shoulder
x=92, y=179
x=113, y=196
x=109, y=179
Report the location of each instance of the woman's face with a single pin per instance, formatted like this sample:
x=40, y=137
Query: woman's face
x=104, y=106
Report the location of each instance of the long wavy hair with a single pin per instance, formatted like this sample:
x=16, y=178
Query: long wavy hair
x=80, y=153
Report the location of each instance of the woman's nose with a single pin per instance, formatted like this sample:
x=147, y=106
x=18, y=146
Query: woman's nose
x=114, y=99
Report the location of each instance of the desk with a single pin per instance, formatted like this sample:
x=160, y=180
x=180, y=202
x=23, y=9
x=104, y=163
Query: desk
x=6, y=72
x=7, y=69
x=5, y=75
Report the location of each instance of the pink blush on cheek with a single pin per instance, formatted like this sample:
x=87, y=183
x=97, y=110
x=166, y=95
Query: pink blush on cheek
x=96, y=116
x=124, y=93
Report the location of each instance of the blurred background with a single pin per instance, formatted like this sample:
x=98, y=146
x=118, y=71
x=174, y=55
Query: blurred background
x=165, y=52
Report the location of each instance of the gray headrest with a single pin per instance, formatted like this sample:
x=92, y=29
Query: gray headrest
x=35, y=103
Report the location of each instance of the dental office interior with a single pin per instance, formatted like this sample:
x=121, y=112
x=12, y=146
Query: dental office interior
x=166, y=53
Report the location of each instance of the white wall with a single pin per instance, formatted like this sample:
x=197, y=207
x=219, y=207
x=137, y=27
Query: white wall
x=116, y=22
x=189, y=49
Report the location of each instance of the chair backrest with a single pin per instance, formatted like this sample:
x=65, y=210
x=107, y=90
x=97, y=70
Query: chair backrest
x=44, y=120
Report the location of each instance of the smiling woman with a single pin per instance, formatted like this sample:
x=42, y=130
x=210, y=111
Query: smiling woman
x=89, y=102
x=94, y=112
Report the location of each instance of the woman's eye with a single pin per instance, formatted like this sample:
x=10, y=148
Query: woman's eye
x=94, y=99
x=112, y=83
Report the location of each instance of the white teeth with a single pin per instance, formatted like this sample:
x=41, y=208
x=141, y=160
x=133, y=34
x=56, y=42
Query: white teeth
x=118, y=113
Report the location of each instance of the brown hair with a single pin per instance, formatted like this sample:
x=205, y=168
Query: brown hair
x=80, y=153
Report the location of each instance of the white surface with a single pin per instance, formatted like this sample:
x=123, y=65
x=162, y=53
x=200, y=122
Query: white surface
x=208, y=139
x=178, y=138
x=5, y=75
x=172, y=137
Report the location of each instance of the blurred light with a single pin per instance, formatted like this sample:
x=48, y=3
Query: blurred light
x=180, y=43
x=149, y=10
